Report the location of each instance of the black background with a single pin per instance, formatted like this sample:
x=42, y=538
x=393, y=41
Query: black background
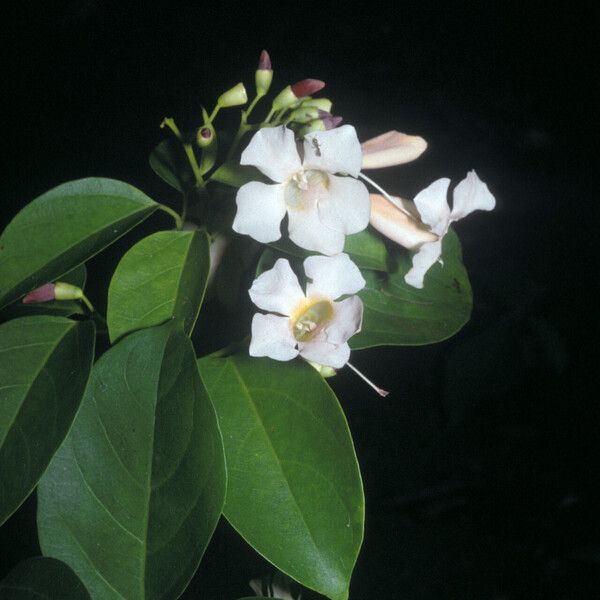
x=480, y=467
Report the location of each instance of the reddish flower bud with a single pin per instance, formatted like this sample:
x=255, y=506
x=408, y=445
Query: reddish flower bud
x=306, y=87
x=44, y=293
x=264, y=62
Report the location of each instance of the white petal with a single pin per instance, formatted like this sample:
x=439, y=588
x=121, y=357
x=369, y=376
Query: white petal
x=422, y=261
x=346, y=321
x=391, y=148
x=260, y=209
x=397, y=225
x=272, y=150
x=332, y=276
x=277, y=290
x=433, y=206
x=347, y=206
x=335, y=151
x=469, y=195
x=271, y=336
x=321, y=351
x=307, y=231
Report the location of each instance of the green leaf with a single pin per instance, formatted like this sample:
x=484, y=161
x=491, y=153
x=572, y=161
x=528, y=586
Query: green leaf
x=169, y=162
x=63, y=228
x=162, y=277
x=131, y=499
x=45, y=362
x=398, y=314
x=366, y=249
x=42, y=578
x=63, y=308
x=236, y=175
x=294, y=488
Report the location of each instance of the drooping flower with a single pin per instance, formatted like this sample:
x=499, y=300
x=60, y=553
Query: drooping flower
x=312, y=325
x=430, y=205
x=322, y=208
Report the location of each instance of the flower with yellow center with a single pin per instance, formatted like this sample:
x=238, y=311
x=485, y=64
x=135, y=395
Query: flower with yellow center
x=313, y=325
x=322, y=207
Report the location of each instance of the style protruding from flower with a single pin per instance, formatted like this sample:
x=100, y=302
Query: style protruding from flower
x=313, y=325
x=431, y=207
x=322, y=208
x=292, y=93
x=264, y=74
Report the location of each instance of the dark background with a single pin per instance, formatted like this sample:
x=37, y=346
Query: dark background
x=480, y=467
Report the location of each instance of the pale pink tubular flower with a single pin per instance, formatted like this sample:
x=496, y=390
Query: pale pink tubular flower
x=390, y=149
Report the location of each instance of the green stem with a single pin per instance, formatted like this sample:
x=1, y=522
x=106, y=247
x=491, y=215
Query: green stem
x=252, y=105
x=170, y=211
x=86, y=301
x=213, y=114
x=268, y=118
x=189, y=151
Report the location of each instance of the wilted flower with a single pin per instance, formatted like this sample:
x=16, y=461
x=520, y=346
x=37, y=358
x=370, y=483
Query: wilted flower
x=312, y=324
x=322, y=207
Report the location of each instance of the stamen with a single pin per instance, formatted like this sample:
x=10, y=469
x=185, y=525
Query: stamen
x=397, y=204
x=383, y=393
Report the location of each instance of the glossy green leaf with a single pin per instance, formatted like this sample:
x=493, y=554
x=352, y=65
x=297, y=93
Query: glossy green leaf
x=131, y=499
x=169, y=162
x=63, y=308
x=45, y=362
x=162, y=277
x=366, y=249
x=398, y=314
x=63, y=228
x=42, y=578
x=294, y=487
x=236, y=175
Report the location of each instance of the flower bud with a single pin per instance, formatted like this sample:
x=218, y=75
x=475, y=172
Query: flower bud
x=205, y=136
x=324, y=104
x=322, y=124
x=292, y=93
x=44, y=293
x=234, y=97
x=53, y=291
x=66, y=291
x=306, y=114
x=390, y=149
x=323, y=370
x=264, y=74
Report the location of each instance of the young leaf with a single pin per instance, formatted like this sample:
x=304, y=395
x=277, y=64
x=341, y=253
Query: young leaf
x=45, y=362
x=397, y=314
x=132, y=497
x=63, y=228
x=42, y=578
x=294, y=488
x=169, y=162
x=162, y=277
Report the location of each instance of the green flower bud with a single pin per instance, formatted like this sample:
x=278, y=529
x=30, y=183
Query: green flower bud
x=324, y=104
x=66, y=291
x=234, y=97
x=264, y=74
x=322, y=369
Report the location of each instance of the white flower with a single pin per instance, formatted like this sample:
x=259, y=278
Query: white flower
x=469, y=195
x=322, y=208
x=310, y=324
